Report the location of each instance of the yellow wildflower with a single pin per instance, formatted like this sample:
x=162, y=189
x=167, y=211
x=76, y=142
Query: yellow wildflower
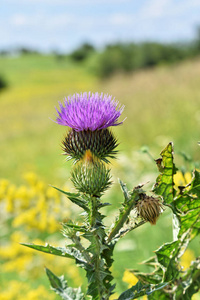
x=17, y=290
x=187, y=258
x=31, y=178
x=40, y=293
x=129, y=278
x=53, y=193
x=3, y=187
x=10, y=197
x=40, y=186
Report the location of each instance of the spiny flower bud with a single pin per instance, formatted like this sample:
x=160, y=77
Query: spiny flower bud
x=149, y=208
x=100, y=142
x=90, y=175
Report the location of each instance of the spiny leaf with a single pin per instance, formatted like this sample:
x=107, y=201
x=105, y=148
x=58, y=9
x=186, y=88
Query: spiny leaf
x=69, y=252
x=164, y=183
x=166, y=256
x=59, y=251
x=159, y=294
x=188, y=205
x=59, y=285
x=75, y=198
x=139, y=290
x=152, y=278
x=74, y=226
x=125, y=191
x=56, y=282
x=191, y=280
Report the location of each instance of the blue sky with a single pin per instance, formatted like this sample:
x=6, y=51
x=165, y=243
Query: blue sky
x=65, y=24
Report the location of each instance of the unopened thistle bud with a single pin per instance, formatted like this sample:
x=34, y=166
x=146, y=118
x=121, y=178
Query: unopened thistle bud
x=149, y=208
x=90, y=175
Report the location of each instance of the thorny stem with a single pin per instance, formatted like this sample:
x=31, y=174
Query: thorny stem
x=95, y=224
x=79, y=246
x=123, y=217
x=124, y=232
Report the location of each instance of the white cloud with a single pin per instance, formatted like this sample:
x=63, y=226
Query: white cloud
x=120, y=19
x=167, y=8
x=155, y=8
x=19, y=20
x=42, y=20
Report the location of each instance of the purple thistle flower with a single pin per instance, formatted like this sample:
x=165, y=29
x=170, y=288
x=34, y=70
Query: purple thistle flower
x=89, y=112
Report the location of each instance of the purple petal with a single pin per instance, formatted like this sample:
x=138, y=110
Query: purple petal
x=89, y=112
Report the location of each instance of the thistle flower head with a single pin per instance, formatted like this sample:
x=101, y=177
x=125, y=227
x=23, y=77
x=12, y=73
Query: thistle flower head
x=89, y=111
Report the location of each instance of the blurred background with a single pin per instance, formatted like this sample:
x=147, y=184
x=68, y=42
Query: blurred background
x=144, y=53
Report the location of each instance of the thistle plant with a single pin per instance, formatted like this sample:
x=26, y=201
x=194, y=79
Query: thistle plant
x=91, y=145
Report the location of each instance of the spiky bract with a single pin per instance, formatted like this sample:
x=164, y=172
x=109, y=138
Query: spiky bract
x=149, y=208
x=100, y=142
x=90, y=176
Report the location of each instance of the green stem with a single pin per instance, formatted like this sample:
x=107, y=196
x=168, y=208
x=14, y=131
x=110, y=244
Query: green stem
x=80, y=247
x=123, y=217
x=97, y=246
x=95, y=228
x=123, y=233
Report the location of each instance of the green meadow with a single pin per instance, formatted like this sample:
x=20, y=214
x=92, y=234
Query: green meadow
x=162, y=104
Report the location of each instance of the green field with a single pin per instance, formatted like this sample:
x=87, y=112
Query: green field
x=161, y=105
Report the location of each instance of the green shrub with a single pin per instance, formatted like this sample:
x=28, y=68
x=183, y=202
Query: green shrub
x=3, y=83
x=83, y=52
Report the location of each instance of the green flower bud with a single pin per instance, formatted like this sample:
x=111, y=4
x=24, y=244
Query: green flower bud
x=90, y=175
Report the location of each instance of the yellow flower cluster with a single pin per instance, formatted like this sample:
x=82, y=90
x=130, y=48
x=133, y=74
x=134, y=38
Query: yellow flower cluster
x=22, y=291
x=34, y=205
x=31, y=213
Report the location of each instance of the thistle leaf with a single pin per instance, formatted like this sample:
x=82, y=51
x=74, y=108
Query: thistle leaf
x=59, y=285
x=125, y=191
x=75, y=198
x=139, y=290
x=164, y=182
x=59, y=251
x=188, y=205
x=68, y=252
x=167, y=258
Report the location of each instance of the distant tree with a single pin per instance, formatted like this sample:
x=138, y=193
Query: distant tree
x=198, y=39
x=24, y=50
x=4, y=52
x=3, y=83
x=82, y=52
